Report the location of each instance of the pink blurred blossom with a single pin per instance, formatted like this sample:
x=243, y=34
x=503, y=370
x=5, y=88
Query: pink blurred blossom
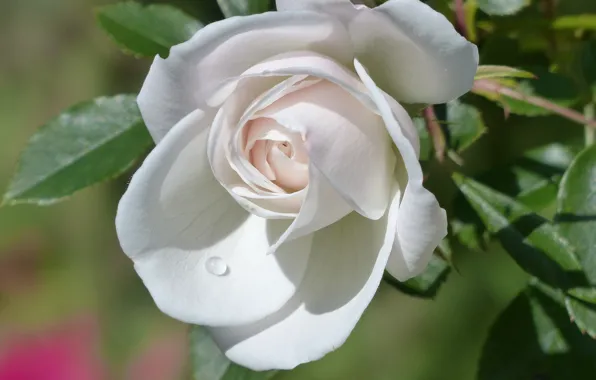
x=69, y=352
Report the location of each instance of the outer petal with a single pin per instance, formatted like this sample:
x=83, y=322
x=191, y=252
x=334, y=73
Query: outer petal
x=175, y=216
x=422, y=223
x=345, y=270
x=414, y=52
x=295, y=5
x=182, y=82
x=307, y=63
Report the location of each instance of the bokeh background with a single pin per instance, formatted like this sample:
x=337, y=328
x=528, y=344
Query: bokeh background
x=71, y=306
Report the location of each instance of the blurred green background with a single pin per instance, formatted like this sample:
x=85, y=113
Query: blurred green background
x=67, y=289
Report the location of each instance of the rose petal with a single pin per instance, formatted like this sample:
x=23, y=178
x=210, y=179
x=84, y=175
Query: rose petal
x=422, y=223
x=238, y=132
x=258, y=158
x=290, y=174
x=345, y=141
x=309, y=63
x=414, y=52
x=295, y=5
x=323, y=204
x=226, y=150
x=175, y=216
x=226, y=125
x=286, y=206
x=406, y=124
x=182, y=82
x=319, y=66
x=409, y=48
x=346, y=267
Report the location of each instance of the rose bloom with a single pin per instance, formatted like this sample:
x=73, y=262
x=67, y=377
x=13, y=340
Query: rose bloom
x=285, y=179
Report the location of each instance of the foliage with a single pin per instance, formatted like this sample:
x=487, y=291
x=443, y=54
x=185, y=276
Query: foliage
x=529, y=182
x=232, y=8
x=146, y=31
x=88, y=143
x=209, y=363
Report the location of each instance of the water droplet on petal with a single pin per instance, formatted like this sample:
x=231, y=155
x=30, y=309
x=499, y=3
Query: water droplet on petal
x=216, y=266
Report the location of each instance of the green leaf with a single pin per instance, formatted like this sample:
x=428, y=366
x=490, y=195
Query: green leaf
x=533, y=180
x=209, y=363
x=584, y=294
x=576, y=212
x=532, y=241
x=530, y=182
x=469, y=235
x=464, y=124
x=495, y=72
x=538, y=174
x=146, y=30
x=427, y=284
x=584, y=21
x=553, y=158
x=232, y=8
x=88, y=143
x=541, y=195
x=581, y=313
x=501, y=7
x=533, y=339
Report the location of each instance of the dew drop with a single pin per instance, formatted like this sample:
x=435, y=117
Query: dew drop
x=216, y=266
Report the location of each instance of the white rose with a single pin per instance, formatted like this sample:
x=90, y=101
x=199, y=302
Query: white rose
x=284, y=182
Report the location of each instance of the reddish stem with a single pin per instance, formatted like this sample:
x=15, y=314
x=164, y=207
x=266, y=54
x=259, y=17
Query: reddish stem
x=485, y=85
x=435, y=132
x=460, y=17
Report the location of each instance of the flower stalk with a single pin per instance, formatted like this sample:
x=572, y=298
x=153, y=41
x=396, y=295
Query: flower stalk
x=484, y=85
x=436, y=133
x=460, y=17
